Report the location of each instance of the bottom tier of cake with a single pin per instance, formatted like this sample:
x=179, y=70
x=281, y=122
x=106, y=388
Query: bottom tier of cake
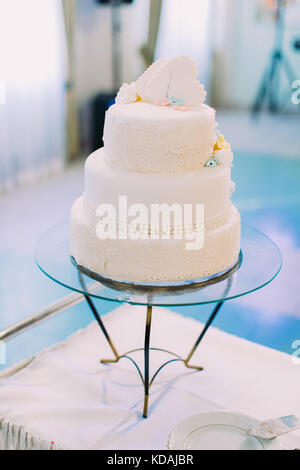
x=152, y=260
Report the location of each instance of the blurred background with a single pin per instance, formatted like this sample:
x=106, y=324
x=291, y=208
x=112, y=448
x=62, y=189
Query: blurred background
x=61, y=63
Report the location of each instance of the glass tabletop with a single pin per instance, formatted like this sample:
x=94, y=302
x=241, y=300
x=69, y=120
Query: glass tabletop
x=258, y=264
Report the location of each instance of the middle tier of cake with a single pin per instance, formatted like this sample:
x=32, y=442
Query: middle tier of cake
x=105, y=182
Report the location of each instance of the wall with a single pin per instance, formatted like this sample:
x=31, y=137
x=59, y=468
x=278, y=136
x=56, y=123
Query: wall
x=243, y=52
x=94, y=45
x=242, y=47
x=187, y=31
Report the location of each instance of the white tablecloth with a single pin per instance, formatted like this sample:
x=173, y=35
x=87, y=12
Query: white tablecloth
x=64, y=398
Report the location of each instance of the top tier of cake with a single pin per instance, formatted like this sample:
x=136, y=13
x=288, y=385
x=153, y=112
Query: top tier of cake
x=160, y=123
x=144, y=137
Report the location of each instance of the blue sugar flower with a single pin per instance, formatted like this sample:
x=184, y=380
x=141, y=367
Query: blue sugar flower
x=211, y=162
x=172, y=100
x=175, y=101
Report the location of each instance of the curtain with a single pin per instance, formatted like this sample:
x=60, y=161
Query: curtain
x=148, y=50
x=69, y=8
x=32, y=115
x=185, y=29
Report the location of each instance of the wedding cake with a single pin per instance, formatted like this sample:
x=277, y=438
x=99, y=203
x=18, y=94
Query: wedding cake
x=163, y=154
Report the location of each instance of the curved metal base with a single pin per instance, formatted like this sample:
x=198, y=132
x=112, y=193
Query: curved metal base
x=126, y=356
x=150, y=382
x=145, y=378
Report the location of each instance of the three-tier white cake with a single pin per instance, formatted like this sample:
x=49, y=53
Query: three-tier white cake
x=161, y=148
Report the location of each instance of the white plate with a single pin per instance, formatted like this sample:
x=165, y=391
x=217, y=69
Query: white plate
x=218, y=431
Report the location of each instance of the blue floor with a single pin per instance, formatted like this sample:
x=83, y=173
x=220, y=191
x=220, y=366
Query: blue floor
x=268, y=197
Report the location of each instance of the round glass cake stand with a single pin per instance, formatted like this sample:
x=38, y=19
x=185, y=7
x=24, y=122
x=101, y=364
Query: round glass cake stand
x=258, y=264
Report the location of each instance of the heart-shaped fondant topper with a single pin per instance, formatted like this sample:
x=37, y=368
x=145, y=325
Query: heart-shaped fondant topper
x=143, y=84
x=173, y=82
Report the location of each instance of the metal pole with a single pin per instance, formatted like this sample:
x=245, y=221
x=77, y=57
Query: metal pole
x=208, y=324
x=116, y=44
x=104, y=330
x=49, y=312
x=46, y=314
x=146, y=360
x=203, y=333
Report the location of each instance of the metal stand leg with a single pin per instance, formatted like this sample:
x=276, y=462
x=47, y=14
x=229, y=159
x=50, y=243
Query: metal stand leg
x=207, y=325
x=100, y=323
x=147, y=360
x=104, y=330
x=203, y=333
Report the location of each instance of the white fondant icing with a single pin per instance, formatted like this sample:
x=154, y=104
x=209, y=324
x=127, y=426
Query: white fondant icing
x=143, y=84
x=170, y=78
x=105, y=182
x=152, y=260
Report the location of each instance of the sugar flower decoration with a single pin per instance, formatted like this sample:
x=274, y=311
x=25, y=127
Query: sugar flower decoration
x=222, y=152
x=224, y=157
x=167, y=82
x=181, y=108
x=162, y=103
x=212, y=162
x=232, y=188
x=222, y=144
x=127, y=94
x=175, y=103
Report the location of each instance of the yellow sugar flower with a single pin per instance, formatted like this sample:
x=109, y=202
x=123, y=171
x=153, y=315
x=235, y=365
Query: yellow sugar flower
x=221, y=144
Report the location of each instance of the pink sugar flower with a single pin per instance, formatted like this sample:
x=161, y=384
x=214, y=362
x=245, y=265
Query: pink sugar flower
x=181, y=108
x=162, y=103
